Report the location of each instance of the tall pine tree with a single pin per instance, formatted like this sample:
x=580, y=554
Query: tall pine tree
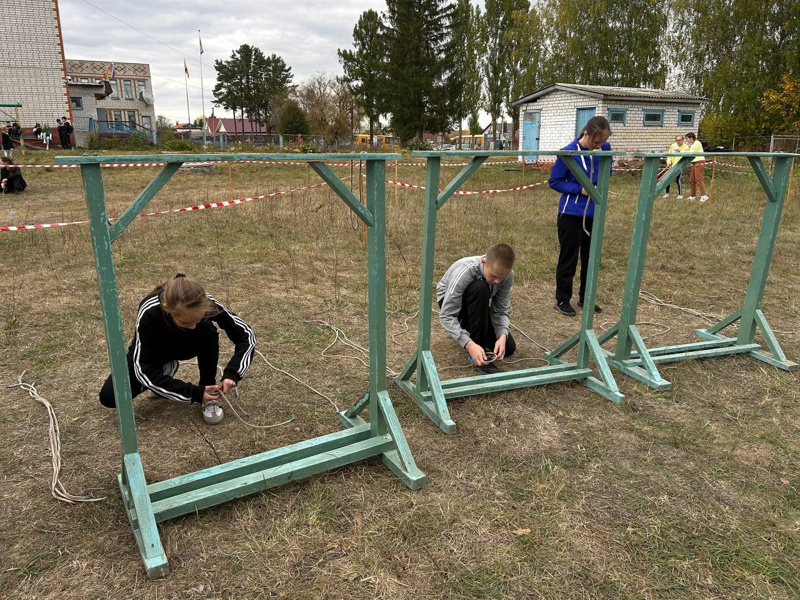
x=418, y=35
x=365, y=68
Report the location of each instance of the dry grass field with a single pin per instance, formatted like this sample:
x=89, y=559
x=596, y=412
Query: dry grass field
x=549, y=492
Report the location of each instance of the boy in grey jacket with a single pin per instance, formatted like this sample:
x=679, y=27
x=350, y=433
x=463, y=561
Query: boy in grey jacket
x=475, y=298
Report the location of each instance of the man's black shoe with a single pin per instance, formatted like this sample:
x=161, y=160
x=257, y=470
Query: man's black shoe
x=597, y=308
x=488, y=369
x=565, y=308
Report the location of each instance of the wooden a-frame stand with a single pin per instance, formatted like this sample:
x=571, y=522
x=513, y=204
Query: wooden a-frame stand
x=428, y=391
x=631, y=355
x=148, y=504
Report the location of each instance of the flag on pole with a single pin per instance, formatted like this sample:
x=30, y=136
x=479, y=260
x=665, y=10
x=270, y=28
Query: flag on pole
x=201, y=43
x=111, y=71
x=185, y=68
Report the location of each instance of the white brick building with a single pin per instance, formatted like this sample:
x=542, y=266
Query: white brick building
x=33, y=72
x=641, y=119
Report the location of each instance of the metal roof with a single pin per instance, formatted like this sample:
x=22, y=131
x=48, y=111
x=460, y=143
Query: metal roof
x=608, y=91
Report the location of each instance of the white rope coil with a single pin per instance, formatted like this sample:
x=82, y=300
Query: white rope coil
x=57, y=488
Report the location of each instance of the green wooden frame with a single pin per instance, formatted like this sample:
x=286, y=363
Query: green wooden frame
x=631, y=355
x=148, y=504
x=429, y=392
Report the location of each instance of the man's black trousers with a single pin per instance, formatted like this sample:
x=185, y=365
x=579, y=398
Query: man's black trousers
x=475, y=317
x=574, y=242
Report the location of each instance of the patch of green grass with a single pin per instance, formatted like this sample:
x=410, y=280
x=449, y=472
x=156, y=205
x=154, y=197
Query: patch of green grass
x=484, y=581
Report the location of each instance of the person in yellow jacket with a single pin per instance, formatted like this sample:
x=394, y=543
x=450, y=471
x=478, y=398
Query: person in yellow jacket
x=677, y=146
x=698, y=164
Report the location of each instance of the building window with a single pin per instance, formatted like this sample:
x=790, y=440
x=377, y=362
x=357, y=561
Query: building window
x=117, y=115
x=132, y=117
x=114, y=89
x=653, y=118
x=76, y=102
x=84, y=80
x=147, y=122
x=685, y=118
x=127, y=86
x=618, y=116
x=141, y=86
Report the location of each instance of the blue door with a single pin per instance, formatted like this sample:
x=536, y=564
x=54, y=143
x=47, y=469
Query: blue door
x=583, y=116
x=530, y=134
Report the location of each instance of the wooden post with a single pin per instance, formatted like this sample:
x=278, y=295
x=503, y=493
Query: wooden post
x=791, y=177
x=361, y=196
x=230, y=178
x=713, y=175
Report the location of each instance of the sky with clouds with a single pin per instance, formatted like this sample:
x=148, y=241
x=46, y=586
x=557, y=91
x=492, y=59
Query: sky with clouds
x=306, y=33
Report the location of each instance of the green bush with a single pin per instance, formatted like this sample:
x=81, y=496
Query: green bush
x=178, y=145
x=134, y=141
x=418, y=144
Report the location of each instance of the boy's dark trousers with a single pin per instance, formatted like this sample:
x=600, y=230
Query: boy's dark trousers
x=207, y=358
x=475, y=317
x=574, y=242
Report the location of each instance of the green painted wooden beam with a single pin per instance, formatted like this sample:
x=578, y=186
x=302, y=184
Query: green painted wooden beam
x=224, y=491
x=148, y=540
x=503, y=375
x=457, y=181
x=721, y=154
x=255, y=463
x=483, y=385
x=489, y=153
x=341, y=190
x=127, y=217
x=194, y=158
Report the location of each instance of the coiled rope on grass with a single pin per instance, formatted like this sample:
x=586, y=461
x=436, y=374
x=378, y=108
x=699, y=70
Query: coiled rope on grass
x=57, y=488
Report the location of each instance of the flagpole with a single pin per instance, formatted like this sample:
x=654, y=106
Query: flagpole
x=202, y=88
x=188, y=114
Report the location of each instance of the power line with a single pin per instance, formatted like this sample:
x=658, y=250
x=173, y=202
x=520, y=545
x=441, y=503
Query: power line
x=194, y=87
x=147, y=34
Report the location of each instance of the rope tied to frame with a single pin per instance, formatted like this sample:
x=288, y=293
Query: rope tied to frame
x=57, y=488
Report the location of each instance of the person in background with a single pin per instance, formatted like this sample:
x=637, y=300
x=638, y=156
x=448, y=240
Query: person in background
x=677, y=146
x=6, y=143
x=68, y=129
x=47, y=135
x=11, y=181
x=698, y=165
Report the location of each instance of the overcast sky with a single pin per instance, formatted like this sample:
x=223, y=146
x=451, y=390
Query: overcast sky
x=306, y=33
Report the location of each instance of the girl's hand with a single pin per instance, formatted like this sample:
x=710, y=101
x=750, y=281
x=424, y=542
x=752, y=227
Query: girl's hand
x=227, y=385
x=211, y=394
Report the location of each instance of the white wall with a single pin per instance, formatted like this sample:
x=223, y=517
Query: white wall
x=32, y=63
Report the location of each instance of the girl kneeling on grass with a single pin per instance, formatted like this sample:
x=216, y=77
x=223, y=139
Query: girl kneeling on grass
x=176, y=321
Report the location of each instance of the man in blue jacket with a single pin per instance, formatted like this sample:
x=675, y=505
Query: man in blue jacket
x=576, y=212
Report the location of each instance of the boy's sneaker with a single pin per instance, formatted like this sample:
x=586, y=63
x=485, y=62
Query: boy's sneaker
x=703, y=198
x=666, y=196
x=565, y=308
x=679, y=198
x=488, y=369
x=212, y=413
x=597, y=308
x=692, y=198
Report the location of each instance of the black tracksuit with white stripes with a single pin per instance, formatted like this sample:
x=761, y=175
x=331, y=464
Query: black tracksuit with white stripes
x=158, y=342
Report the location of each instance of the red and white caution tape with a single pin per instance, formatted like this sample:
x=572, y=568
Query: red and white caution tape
x=468, y=192
x=7, y=228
